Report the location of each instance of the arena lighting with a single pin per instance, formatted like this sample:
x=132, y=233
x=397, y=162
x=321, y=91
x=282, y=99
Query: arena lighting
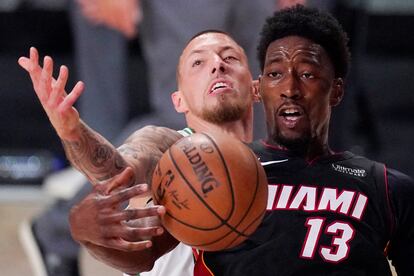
x=27, y=167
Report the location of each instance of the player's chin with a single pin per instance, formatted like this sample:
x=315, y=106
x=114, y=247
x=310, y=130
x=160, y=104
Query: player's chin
x=292, y=139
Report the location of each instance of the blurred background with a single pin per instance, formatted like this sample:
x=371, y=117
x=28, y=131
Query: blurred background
x=376, y=118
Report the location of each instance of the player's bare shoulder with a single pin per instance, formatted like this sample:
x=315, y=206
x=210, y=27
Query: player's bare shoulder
x=144, y=148
x=160, y=137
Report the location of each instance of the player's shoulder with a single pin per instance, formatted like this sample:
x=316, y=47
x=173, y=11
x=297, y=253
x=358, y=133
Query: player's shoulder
x=260, y=146
x=395, y=178
x=367, y=165
x=265, y=151
x=400, y=180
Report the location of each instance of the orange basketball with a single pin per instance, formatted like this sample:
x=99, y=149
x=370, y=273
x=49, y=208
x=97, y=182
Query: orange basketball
x=214, y=190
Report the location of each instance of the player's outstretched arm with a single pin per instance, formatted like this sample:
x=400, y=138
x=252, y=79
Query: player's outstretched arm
x=95, y=156
x=93, y=150
x=88, y=151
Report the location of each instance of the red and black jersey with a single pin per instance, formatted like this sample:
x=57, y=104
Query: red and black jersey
x=334, y=215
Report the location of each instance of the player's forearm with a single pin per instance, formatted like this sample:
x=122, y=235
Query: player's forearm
x=131, y=262
x=92, y=154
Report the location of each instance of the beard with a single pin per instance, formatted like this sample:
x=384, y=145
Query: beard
x=224, y=112
x=297, y=144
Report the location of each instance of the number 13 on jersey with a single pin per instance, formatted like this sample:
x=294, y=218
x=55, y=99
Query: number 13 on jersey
x=341, y=232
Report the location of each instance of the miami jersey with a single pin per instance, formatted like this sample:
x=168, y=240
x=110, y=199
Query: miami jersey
x=335, y=215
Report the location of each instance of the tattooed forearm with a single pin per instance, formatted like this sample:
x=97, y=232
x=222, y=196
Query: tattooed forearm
x=99, y=160
x=94, y=155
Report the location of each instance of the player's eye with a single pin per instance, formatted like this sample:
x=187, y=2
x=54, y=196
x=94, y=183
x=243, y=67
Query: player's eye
x=307, y=75
x=229, y=58
x=196, y=63
x=274, y=75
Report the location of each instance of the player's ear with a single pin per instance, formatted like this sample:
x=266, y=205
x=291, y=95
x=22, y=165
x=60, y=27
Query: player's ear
x=259, y=79
x=337, y=92
x=256, y=94
x=179, y=102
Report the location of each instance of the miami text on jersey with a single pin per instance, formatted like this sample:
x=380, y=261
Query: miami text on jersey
x=313, y=198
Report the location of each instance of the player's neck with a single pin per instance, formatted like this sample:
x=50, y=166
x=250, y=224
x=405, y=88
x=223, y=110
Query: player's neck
x=309, y=151
x=241, y=129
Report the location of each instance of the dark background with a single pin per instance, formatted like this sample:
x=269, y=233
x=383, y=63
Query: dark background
x=24, y=127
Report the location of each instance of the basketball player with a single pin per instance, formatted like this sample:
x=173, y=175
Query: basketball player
x=329, y=213
x=216, y=93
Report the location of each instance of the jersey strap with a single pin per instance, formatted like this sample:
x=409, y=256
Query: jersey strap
x=186, y=131
x=200, y=267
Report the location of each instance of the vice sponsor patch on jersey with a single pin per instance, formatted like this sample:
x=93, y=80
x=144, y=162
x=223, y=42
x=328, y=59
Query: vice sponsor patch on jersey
x=350, y=171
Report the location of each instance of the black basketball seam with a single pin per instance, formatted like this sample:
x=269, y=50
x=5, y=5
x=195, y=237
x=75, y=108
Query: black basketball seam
x=247, y=211
x=244, y=216
x=233, y=229
x=229, y=180
x=245, y=229
x=191, y=188
x=251, y=203
x=228, y=233
x=224, y=222
x=192, y=226
x=255, y=194
x=195, y=192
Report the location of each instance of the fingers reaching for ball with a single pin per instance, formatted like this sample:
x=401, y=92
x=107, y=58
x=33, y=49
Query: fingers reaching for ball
x=101, y=218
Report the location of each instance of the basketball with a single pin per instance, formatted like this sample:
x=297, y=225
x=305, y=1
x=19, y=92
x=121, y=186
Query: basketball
x=214, y=190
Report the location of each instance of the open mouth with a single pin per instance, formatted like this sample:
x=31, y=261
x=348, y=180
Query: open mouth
x=219, y=86
x=291, y=113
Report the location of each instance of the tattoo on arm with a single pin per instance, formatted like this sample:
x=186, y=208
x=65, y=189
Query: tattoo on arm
x=94, y=155
x=99, y=160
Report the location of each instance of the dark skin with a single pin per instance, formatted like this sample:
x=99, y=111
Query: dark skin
x=104, y=205
x=299, y=88
x=103, y=226
x=115, y=243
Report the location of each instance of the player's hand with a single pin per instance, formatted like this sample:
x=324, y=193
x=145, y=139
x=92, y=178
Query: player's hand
x=120, y=15
x=100, y=219
x=51, y=93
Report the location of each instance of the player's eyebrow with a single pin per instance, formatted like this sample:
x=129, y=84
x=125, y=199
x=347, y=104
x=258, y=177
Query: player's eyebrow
x=197, y=51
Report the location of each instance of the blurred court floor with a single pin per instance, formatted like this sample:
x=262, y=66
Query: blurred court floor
x=15, y=206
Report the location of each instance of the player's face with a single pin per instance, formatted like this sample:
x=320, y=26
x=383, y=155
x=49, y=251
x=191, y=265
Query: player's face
x=214, y=78
x=298, y=89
